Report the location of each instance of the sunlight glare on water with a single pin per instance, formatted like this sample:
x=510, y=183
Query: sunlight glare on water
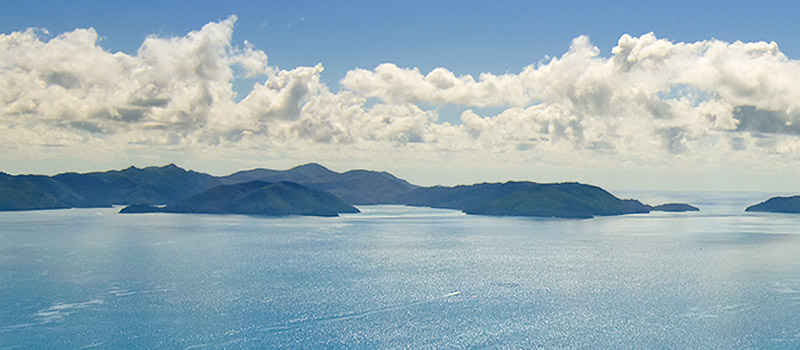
x=402, y=277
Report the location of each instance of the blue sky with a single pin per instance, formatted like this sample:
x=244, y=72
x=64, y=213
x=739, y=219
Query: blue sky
x=434, y=91
x=468, y=37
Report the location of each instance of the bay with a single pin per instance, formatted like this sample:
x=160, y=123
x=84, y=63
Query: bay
x=397, y=277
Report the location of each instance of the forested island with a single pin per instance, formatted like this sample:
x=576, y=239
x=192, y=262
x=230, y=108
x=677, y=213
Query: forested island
x=254, y=198
x=309, y=189
x=790, y=205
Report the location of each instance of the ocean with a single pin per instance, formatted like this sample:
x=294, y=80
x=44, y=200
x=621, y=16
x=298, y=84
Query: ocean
x=396, y=277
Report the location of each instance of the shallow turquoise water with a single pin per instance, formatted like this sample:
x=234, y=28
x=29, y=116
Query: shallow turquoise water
x=398, y=277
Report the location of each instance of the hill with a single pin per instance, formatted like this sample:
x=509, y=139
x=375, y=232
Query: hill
x=179, y=190
x=563, y=200
x=789, y=205
x=355, y=186
x=34, y=192
x=151, y=185
x=255, y=198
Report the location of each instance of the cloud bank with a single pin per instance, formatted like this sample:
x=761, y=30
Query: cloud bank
x=651, y=101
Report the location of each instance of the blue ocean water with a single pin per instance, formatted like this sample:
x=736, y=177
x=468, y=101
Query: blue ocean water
x=397, y=277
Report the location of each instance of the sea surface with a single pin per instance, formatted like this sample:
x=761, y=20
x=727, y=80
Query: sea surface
x=399, y=277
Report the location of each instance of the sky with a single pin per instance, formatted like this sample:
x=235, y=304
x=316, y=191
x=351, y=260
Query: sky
x=699, y=95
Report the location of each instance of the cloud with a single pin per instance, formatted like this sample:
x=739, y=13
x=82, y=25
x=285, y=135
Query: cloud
x=650, y=100
x=651, y=95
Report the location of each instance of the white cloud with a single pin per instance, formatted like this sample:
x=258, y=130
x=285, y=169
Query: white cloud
x=652, y=101
x=650, y=96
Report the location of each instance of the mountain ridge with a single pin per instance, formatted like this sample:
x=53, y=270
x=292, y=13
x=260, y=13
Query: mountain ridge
x=170, y=185
x=255, y=198
x=357, y=186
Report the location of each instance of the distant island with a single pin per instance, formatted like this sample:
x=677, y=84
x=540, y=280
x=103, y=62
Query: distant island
x=151, y=185
x=355, y=186
x=309, y=189
x=254, y=198
x=789, y=205
x=562, y=200
x=674, y=207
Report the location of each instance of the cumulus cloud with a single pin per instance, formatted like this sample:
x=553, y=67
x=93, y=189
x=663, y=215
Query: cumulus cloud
x=651, y=95
x=179, y=91
x=651, y=98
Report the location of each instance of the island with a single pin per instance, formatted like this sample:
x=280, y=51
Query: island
x=789, y=205
x=170, y=184
x=559, y=200
x=254, y=198
x=309, y=189
x=353, y=186
x=674, y=207
x=151, y=185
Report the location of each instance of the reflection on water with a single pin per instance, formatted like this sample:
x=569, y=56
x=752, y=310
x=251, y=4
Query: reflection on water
x=403, y=277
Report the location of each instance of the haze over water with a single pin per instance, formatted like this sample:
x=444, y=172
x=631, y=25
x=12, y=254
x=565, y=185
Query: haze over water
x=400, y=277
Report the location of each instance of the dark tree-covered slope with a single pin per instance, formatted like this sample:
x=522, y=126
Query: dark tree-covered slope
x=256, y=198
x=566, y=200
x=32, y=192
x=276, y=192
x=778, y=205
x=151, y=185
x=355, y=186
